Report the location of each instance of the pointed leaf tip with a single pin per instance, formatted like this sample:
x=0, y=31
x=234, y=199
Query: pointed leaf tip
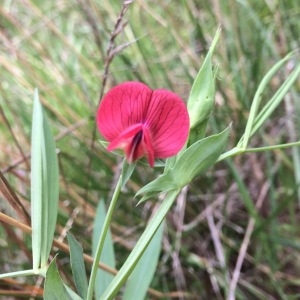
x=77, y=265
x=54, y=287
x=163, y=183
x=201, y=100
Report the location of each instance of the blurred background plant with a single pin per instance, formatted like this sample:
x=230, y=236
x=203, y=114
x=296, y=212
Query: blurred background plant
x=248, y=203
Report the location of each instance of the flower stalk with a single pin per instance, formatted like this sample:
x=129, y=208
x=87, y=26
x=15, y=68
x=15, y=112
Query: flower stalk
x=140, y=246
x=100, y=245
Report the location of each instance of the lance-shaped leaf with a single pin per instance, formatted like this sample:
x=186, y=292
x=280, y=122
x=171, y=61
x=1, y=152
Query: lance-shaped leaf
x=191, y=162
x=77, y=265
x=163, y=183
x=199, y=157
x=139, y=247
x=54, y=288
x=44, y=186
x=258, y=116
x=142, y=275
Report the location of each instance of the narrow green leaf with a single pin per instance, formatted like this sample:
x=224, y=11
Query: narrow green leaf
x=103, y=278
x=257, y=100
x=148, y=195
x=190, y=163
x=72, y=294
x=50, y=191
x=201, y=99
x=36, y=181
x=199, y=157
x=163, y=183
x=54, y=287
x=44, y=186
x=140, y=247
x=273, y=103
x=141, y=277
x=244, y=192
x=77, y=265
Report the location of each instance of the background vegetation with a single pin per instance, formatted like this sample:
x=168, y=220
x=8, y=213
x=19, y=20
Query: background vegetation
x=244, y=211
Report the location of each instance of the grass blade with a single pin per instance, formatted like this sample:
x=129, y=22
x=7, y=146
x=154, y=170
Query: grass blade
x=140, y=247
x=44, y=186
x=275, y=100
x=257, y=99
x=141, y=277
x=77, y=265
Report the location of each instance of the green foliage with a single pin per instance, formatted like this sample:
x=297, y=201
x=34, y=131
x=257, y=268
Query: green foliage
x=197, y=158
x=77, y=265
x=193, y=161
x=255, y=120
x=54, y=288
x=61, y=49
x=142, y=275
x=140, y=247
x=103, y=278
x=44, y=186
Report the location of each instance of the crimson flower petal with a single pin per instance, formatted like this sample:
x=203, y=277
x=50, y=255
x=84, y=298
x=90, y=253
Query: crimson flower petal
x=168, y=121
x=124, y=105
x=149, y=151
x=143, y=122
x=125, y=137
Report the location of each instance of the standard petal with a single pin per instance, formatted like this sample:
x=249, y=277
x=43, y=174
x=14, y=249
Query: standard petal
x=123, y=106
x=168, y=123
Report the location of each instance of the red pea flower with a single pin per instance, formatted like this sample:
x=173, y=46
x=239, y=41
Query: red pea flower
x=143, y=122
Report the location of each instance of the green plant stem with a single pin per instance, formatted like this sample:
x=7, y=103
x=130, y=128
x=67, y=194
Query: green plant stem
x=258, y=96
x=140, y=247
x=269, y=148
x=102, y=238
x=21, y=273
x=233, y=152
x=236, y=150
